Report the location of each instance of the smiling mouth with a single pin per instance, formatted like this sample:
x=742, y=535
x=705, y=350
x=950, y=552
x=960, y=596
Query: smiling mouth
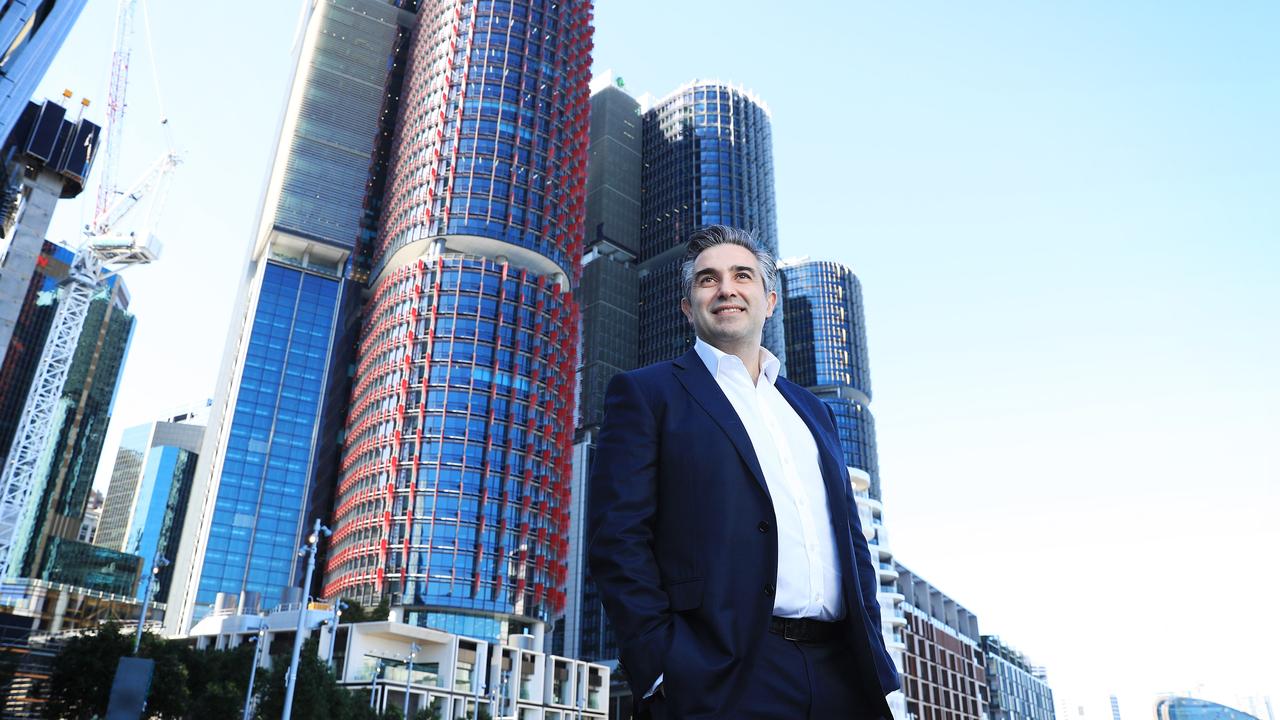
x=729, y=309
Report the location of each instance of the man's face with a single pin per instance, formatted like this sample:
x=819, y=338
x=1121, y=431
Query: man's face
x=728, y=305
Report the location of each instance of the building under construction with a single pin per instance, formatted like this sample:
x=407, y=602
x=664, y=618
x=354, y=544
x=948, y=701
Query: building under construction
x=48, y=156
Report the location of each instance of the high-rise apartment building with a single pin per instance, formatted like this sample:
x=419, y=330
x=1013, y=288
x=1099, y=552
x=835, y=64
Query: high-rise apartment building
x=31, y=33
x=892, y=618
x=944, y=677
x=454, y=489
x=1017, y=689
x=827, y=354
x=404, y=353
x=150, y=488
x=708, y=160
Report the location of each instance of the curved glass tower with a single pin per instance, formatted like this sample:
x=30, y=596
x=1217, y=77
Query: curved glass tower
x=708, y=159
x=1187, y=708
x=827, y=352
x=454, y=481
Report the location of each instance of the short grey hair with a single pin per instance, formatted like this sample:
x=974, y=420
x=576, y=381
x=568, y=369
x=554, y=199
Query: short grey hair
x=707, y=237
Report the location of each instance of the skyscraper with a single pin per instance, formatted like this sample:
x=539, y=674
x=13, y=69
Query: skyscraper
x=269, y=458
x=454, y=486
x=30, y=35
x=150, y=487
x=609, y=293
x=659, y=169
x=404, y=355
x=827, y=352
x=708, y=159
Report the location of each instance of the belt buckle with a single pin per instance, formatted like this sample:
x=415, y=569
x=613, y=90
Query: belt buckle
x=792, y=629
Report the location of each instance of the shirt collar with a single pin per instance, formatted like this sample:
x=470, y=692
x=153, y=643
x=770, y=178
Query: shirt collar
x=715, y=359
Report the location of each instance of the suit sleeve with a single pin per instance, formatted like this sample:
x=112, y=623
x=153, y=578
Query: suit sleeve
x=622, y=509
x=868, y=575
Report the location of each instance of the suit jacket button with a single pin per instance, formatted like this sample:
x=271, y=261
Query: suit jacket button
x=768, y=589
x=763, y=526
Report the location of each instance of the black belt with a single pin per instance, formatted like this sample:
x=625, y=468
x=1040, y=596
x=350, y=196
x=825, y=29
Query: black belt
x=804, y=629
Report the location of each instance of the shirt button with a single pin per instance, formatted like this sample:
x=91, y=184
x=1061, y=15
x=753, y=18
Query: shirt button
x=763, y=526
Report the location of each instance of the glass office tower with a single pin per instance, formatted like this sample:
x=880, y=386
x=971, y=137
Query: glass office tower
x=150, y=488
x=454, y=487
x=609, y=294
x=269, y=459
x=31, y=33
x=827, y=352
x=708, y=159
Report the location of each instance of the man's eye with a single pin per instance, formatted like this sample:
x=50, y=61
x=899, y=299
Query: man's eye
x=706, y=279
x=744, y=276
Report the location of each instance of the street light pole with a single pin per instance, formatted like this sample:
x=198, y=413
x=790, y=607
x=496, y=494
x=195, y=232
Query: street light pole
x=338, y=607
x=373, y=687
x=156, y=563
x=309, y=551
x=253, y=669
x=408, y=678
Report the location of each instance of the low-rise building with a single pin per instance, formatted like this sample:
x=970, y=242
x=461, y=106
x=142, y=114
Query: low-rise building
x=1017, y=689
x=390, y=661
x=943, y=677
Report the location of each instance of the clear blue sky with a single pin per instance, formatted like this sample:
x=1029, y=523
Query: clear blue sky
x=1066, y=223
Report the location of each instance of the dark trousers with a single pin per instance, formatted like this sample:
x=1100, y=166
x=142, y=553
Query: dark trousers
x=792, y=681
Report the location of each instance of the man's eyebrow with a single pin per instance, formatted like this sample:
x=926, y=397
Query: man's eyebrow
x=742, y=268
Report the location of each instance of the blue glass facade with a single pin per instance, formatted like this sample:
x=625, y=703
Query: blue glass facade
x=827, y=352
x=276, y=431
x=708, y=159
x=491, y=137
x=31, y=33
x=1017, y=690
x=1187, y=708
x=455, y=481
x=257, y=524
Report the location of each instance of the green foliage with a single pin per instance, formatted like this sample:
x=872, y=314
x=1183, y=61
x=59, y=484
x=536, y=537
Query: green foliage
x=382, y=610
x=354, y=613
x=80, y=683
x=318, y=695
x=196, y=684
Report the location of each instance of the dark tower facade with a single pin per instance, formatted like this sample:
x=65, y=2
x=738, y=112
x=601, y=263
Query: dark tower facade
x=827, y=352
x=708, y=159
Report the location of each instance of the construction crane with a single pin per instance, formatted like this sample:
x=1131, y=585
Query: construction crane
x=103, y=252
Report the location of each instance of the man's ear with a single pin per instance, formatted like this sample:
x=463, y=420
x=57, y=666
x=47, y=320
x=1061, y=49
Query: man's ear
x=686, y=308
x=773, y=302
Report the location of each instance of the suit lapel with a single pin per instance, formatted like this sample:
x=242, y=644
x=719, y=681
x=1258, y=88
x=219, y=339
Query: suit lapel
x=697, y=380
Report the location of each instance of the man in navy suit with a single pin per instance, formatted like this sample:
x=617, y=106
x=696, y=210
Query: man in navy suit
x=724, y=538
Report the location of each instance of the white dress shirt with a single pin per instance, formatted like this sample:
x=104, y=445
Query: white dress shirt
x=808, y=583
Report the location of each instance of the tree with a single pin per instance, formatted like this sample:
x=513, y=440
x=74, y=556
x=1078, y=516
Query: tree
x=170, y=694
x=80, y=682
x=318, y=695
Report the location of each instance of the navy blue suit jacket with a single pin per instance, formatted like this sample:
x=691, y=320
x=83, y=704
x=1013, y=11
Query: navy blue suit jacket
x=682, y=539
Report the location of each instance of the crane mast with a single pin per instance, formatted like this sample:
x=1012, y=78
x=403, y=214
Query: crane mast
x=103, y=252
